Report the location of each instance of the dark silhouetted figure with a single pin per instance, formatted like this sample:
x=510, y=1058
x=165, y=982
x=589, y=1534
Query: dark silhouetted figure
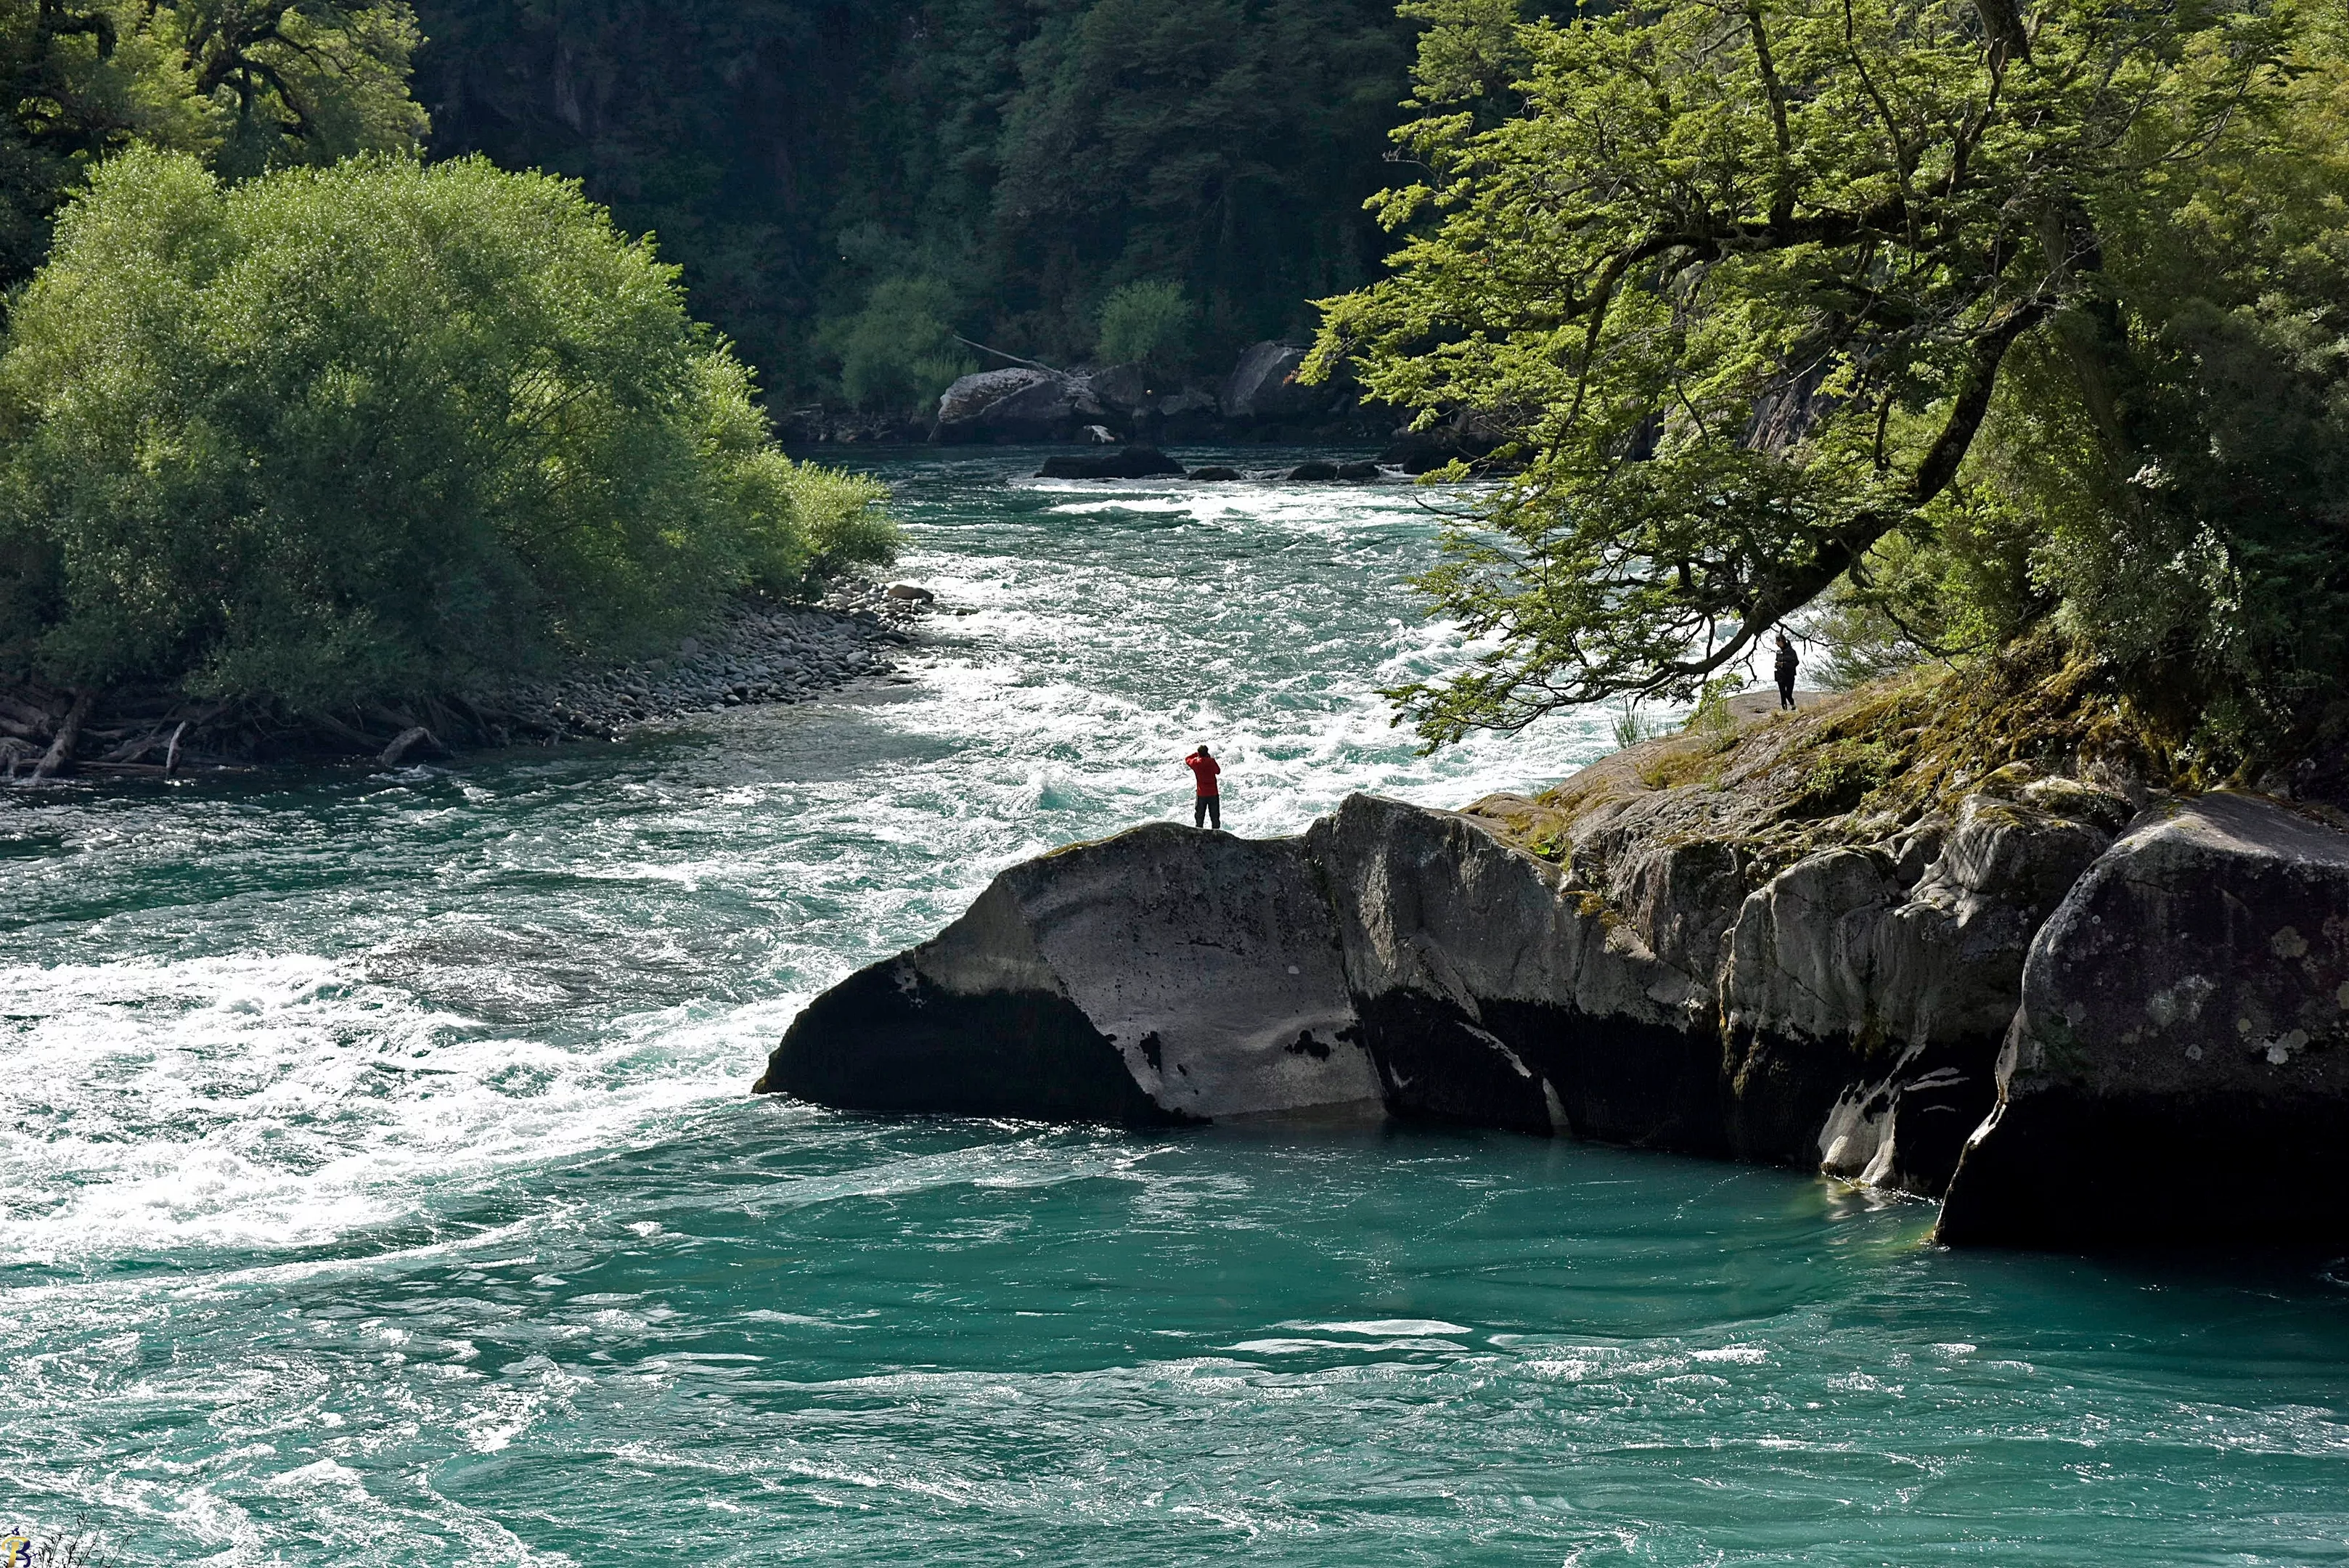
x=1787, y=665
x=1209, y=808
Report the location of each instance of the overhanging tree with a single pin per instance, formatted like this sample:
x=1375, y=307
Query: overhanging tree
x=1739, y=279
x=248, y=84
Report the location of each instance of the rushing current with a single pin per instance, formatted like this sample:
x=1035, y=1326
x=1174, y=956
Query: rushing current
x=378, y=1182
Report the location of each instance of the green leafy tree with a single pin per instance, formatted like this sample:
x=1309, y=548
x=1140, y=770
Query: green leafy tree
x=1755, y=287
x=1031, y=154
x=248, y=84
x=1146, y=323
x=376, y=428
x=301, y=81
x=900, y=350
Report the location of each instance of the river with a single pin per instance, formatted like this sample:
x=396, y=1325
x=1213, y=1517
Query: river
x=379, y=1185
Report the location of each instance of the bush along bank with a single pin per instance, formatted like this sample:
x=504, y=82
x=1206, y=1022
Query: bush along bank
x=1963, y=936
x=343, y=457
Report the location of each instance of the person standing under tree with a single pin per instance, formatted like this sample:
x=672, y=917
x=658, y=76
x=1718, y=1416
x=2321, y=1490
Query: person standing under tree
x=1208, y=807
x=1787, y=664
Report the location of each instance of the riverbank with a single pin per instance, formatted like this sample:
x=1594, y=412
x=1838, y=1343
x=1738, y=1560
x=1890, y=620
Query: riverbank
x=757, y=653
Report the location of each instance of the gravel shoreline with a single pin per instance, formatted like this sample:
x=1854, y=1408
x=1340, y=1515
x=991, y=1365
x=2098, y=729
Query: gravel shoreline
x=758, y=654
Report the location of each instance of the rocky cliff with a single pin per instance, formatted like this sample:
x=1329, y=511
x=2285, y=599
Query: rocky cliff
x=2042, y=993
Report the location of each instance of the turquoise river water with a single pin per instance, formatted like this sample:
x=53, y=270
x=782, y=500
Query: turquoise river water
x=379, y=1183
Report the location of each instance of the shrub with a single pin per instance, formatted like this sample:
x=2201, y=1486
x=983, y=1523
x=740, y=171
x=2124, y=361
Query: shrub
x=1145, y=324
x=376, y=428
x=899, y=351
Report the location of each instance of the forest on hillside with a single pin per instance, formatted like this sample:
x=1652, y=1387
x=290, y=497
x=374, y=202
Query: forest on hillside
x=850, y=186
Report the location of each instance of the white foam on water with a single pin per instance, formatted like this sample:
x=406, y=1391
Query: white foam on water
x=270, y=1101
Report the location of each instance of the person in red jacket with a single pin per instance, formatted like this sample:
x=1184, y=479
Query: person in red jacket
x=1209, y=806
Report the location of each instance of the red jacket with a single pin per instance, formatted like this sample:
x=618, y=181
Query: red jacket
x=1205, y=770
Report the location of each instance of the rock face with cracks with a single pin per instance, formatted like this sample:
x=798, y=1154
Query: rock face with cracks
x=2177, y=1068
x=1665, y=952
x=1163, y=975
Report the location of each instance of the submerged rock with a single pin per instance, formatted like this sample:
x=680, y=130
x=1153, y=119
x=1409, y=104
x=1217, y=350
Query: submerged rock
x=2177, y=1070
x=1126, y=463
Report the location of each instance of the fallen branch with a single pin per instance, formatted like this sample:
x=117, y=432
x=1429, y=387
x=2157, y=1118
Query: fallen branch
x=406, y=739
x=1030, y=364
x=61, y=750
x=358, y=739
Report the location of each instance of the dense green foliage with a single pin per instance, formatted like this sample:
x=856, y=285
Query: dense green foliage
x=1974, y=317
x=375, y=429
x=997, y=169
x=1146, y=323
x=248, y=84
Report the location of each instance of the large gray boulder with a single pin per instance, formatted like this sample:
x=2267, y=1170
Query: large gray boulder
x=1264, y=386
x=1393, y=955
x=1490, y=992
x=1015, y=404
x=1880, y=980
x=2177, y=1070
x=1163, y=975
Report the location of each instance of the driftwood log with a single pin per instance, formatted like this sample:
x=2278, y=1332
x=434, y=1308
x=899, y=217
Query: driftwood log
x=414, y=735
x=47, y=732
x=61, y=749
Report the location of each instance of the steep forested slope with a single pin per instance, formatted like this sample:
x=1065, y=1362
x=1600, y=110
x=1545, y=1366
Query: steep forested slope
x=846, y=179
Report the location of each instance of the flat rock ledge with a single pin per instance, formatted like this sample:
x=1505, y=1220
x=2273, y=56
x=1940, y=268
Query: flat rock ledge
x=2080, y=1026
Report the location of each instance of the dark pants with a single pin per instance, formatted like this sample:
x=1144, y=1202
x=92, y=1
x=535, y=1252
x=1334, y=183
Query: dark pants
x=1785, y=691
x=1207, y=809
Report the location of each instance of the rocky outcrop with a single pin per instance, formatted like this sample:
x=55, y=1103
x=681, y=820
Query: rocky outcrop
x=1016, y=404
x=1159, y=976
x=1698, y=944
x=1885, y=976
x=1264, y=386
x=1655, y=985
x=1260, y=399
x=1491, y=992
x=2177, y=1068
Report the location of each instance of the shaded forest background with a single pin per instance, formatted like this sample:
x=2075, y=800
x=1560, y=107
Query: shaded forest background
x=849, y=185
